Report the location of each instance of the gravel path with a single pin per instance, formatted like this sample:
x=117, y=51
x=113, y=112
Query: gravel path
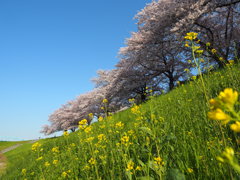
x=14, y=147
x=3, y=158
x=10, y=148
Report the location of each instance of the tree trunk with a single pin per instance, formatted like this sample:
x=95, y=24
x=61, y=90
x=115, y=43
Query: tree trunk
x=171, y=82
x=237, y=51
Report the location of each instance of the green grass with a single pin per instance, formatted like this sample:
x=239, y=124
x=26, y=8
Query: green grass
x=17, y=155
x=168, y=137
x=6, y=144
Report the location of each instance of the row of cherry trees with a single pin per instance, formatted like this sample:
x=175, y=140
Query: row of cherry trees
x=155, y=56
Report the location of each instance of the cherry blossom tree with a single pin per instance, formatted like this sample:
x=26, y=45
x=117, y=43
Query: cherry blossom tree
x=155, y=56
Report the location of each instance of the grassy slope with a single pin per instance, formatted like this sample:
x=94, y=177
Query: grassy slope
x=6, y=144
x=174, y=127
x=14, y=155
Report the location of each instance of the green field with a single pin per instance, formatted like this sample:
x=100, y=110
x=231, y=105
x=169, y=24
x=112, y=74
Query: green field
x=168, y=137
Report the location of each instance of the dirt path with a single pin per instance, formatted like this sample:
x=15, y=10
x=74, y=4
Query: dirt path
x=3, y=159
x=10, y=148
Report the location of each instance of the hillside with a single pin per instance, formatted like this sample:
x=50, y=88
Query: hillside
x=168, y=137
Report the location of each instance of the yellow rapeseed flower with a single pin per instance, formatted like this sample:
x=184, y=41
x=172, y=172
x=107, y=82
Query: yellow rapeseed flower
x=46, y=164
x=135, y=109
x=101, y=137
x=55, y=162
x=83, y=122
x=187, y=70
x=105, y=101
x=158, y=161
x=40, y=158
x=214, y=104
x=214, y=51
x=228, y=97
x=130, y=166
x=199, y=51
x=138, y=168
x=131, y=100
x=88, y=129
x=36, y=146
x=235, y=127
x=228, y=153
x=191, y=36
x=100, y=118
x=194, y=77
x=64, y=174
x=92, y=161
x=90, y=139
x=65, y=133
x=24, y=171
x=119, y=125
x=90, y=115
x=189, y=170
x=219, y=115
x=55, y=149
x=125, y=139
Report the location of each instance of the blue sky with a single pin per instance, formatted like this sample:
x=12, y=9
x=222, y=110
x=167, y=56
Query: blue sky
x=49, y=51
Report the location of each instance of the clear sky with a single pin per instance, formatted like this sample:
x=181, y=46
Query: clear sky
x=49, y=51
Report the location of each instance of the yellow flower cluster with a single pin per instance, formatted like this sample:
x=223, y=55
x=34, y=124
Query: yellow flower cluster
x=214, y=51
x=39, y=159
x=135, y=109
x=88, y=129
x=187, y=70
x=191, y=36
x=66, y=173
x=228, y=97
x=227, y=155
x=130, y=166
x=65, y=133
x=105, y=101
x=101, y=137
x=55, y=149
x=219, y=115
x=158, y=161
x=225, y=101
x=189, y=170
x=125, y=140
x=131, y=100
x=92, y=161
x=36, y=146
x=82, y=123
x=24, y=171
x=119, y=125
x=46, y=164
x=100, y=118
x=90, y=115
x=55, y=162
x=90, y=139
x=235, y=127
